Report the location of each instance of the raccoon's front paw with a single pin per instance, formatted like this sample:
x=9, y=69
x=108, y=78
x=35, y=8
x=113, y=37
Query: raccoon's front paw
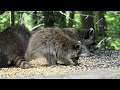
x=75, y=60
x=85, y=54
x=25, y=65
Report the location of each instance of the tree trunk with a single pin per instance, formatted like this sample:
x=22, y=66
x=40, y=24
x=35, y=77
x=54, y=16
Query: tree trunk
x=102, y=23
x=102, y=26
x=48, y=18
x=60, y=19
x=70, y=24
x=35, y=18
x=19, y=17
x=12, y=18
x=87, y=20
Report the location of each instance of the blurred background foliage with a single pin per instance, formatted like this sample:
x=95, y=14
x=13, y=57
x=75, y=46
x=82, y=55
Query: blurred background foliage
x=105, y=23
x=113, y=29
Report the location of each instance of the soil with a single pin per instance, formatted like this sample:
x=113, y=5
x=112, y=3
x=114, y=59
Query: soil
x=103, y=65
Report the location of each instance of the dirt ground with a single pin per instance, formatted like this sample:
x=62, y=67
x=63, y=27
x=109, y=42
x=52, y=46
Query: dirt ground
x=103, y=65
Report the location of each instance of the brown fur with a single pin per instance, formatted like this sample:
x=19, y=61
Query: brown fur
x=54, y=45
x=13, y=44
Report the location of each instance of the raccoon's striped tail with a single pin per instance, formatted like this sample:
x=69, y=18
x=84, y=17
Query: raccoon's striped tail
x=20, y=62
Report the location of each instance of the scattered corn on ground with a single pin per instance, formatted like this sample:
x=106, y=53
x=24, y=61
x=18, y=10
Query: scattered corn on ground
x=102, y=60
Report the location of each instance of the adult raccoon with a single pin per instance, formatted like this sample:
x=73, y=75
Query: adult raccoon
x=23, y=33
x=86, y=36
x=54, y=45
x=13, y=44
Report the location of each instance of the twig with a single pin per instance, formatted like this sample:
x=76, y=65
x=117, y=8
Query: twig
x=35, y=27
x=99, y=20
x=99, y=44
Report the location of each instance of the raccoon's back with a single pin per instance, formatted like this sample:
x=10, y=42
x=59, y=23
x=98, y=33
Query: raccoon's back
x=45, y=35
x=19, y=29
x=50, y=36
x=9, y=39
x=10, y=45
x=22, y=33
x=71, y=32
x=49, y=40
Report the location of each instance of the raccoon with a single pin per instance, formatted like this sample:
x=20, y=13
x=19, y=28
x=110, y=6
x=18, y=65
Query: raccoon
x=86, y=36
x=23, y=33
x=3, y=61
x=13, y=45
x=54, y=45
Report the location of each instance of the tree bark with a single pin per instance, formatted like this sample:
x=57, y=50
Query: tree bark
x=12, y=18
x=71, y=22
x=60, y=19
x=102, y=26
x=35, y=17
x=87, y=20
x=48, y=18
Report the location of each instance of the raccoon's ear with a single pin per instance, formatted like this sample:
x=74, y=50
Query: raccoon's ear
x=79, y=42
x=78, y=45
x=91, y=31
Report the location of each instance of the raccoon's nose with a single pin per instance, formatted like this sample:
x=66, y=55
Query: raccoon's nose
x=75, y=58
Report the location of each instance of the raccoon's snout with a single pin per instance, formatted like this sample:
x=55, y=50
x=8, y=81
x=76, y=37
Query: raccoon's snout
x=75, y=60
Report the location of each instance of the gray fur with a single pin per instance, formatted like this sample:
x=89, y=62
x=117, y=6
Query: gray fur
x=54, y=45
x=86, y=36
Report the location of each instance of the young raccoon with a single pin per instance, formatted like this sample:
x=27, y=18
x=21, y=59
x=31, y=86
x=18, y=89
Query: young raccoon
x=54, y=45
x=13, y=44
x=86, y=36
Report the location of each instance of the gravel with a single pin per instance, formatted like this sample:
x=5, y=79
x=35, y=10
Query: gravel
x=104, y=64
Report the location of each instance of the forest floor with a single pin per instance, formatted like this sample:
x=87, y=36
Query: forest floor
x=103, y=65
